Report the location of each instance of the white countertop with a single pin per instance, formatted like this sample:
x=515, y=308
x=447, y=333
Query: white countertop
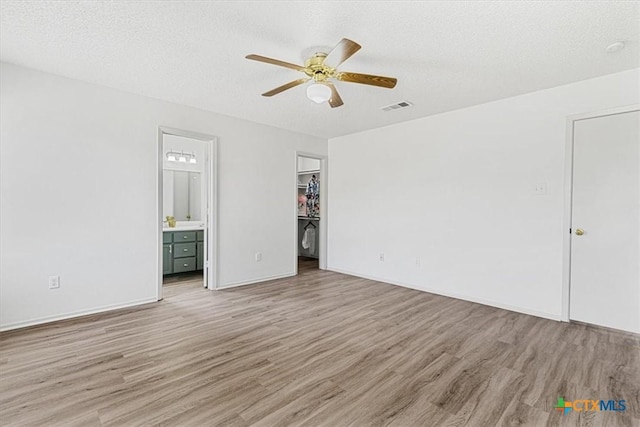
x=183, y=228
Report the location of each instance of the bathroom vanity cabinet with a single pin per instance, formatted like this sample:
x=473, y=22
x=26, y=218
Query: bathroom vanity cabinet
x=182, y=251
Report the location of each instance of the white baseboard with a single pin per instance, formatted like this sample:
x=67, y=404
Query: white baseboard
x=254, y=281
x=469, y=298
x=66, y=316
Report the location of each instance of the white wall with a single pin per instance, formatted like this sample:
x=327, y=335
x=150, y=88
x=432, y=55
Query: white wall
x=308, y=164
x=71, y=204
x=457, y=191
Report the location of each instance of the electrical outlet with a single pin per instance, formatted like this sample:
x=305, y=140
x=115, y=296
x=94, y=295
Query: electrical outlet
x=258, y=256
x=417, y=262
x=382, y=256
x=54, y=282
x=541, y=189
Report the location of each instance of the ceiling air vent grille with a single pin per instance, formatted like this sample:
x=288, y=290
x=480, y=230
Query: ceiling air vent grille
x=397, y=106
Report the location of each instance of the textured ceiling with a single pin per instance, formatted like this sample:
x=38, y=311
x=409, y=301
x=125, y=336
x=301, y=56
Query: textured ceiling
x=446, y=55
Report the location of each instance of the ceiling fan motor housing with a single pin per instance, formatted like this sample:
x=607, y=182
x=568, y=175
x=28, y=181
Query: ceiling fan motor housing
x=317, y=69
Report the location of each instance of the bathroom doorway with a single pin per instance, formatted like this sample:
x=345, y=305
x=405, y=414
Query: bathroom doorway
x=187, y=220
x=311, y=220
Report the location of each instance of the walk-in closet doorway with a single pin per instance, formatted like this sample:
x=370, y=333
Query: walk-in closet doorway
x=310, y=212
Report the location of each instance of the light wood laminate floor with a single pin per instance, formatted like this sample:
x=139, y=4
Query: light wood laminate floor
x=319, y=349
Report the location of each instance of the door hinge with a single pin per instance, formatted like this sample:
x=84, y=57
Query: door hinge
x=569, y=231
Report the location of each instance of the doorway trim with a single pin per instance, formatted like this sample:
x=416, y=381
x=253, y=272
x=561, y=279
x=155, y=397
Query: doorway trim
x=568, y=199
x=211, y=143
x=322, y=256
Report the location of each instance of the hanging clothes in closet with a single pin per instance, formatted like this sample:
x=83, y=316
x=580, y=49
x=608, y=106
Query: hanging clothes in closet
x=313, y=197
x=309, y=238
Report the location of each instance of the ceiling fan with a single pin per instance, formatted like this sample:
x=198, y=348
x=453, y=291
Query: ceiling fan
x=322, y=68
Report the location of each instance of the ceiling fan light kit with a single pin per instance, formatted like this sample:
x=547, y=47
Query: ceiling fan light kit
x=318, y=93
x=321, y=68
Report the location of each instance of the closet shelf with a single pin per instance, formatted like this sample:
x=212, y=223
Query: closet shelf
x=308, y=172
x=310, y=218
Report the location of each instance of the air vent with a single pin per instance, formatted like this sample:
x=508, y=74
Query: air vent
x=397, y=106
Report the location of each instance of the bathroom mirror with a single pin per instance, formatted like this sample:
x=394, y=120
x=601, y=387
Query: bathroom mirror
x=182, y=195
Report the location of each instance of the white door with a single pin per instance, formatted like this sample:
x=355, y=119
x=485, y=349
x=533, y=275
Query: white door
x=208, y=198
x=207, y=218
x=605, y=259
x=210, y=234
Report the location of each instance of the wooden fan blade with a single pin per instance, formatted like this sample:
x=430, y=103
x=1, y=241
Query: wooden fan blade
x=343, y=51
x=367, y=79
x=286, y=86
x=335, y=100
x=275, y=62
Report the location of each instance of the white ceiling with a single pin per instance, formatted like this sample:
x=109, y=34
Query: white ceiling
x=446, y=55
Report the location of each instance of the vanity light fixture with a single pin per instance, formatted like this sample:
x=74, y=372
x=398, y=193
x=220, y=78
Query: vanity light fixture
x=182, y=157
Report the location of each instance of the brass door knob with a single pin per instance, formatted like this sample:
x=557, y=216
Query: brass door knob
x=579, y=231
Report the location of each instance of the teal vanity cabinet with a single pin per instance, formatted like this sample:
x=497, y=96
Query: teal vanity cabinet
x=184, y=253
x=200, y=250
x=167, y=250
